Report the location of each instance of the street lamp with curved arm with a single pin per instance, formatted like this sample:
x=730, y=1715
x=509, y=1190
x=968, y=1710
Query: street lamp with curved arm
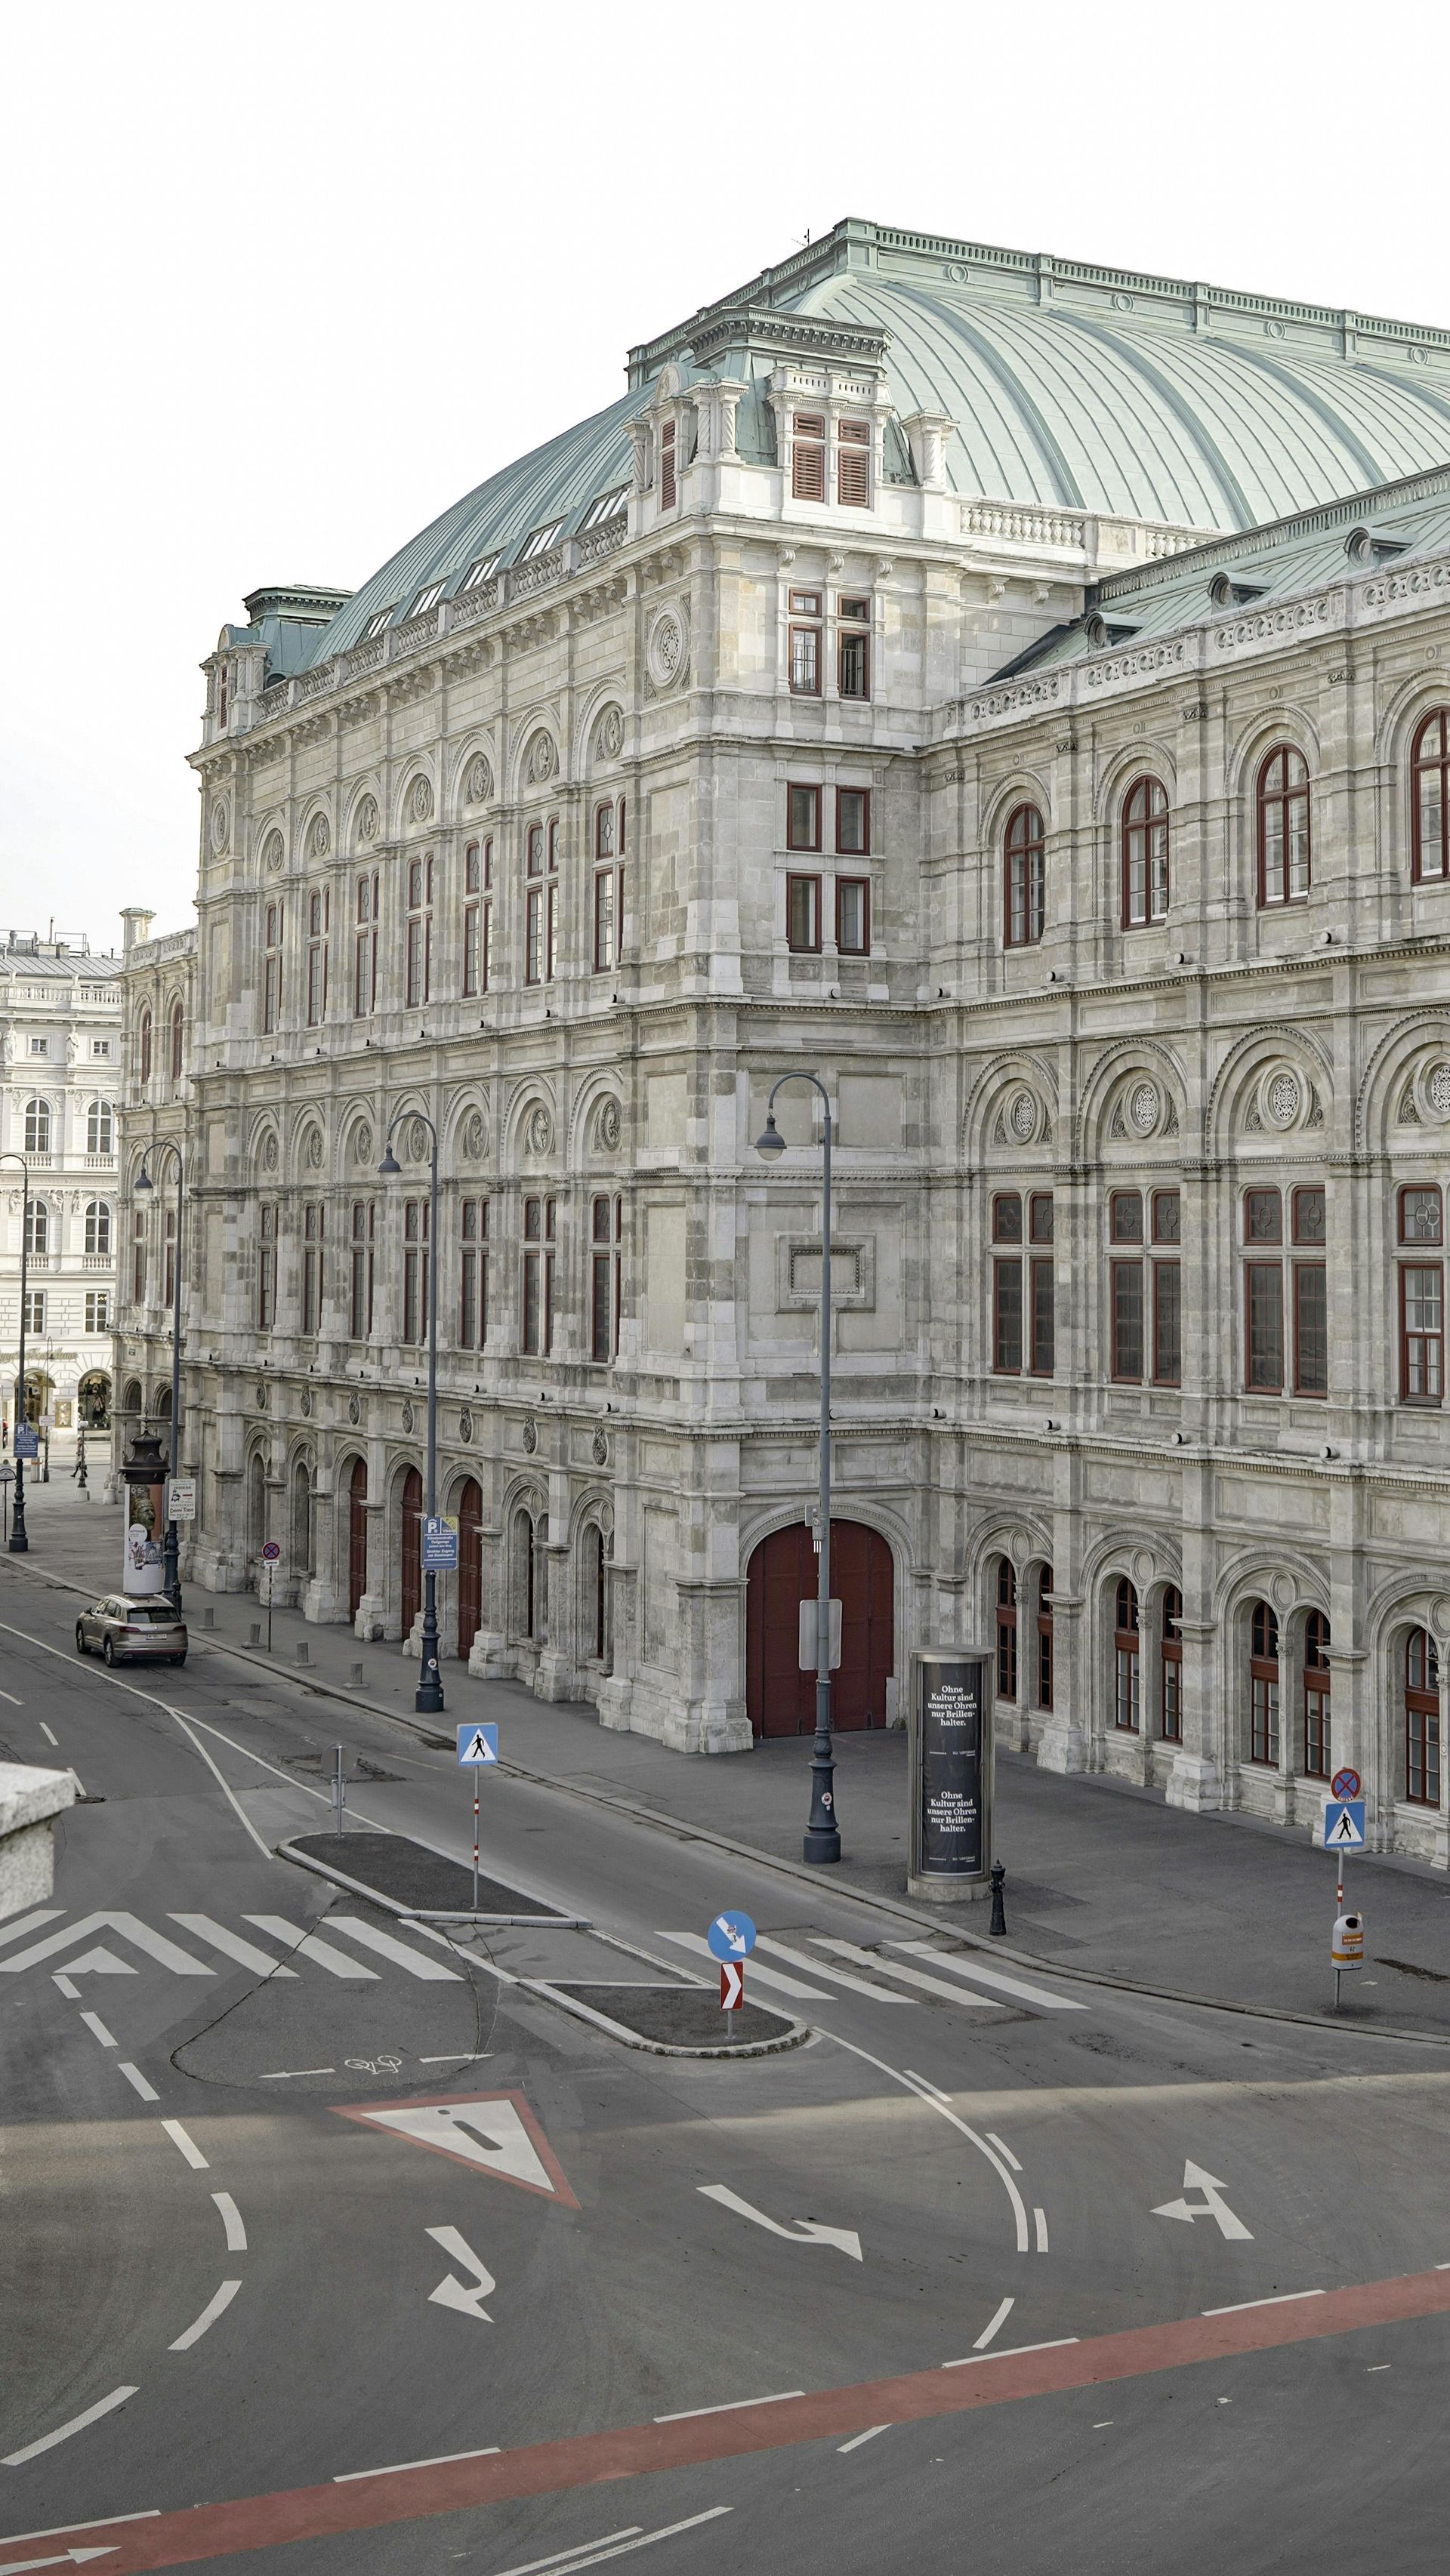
x=19, y=1543
x=429, y=1694
x=171, y=1568
x=823, y=1834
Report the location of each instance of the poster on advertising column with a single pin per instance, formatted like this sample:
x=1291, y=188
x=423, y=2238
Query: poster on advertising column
x=144, y=1474
x=951, y=1775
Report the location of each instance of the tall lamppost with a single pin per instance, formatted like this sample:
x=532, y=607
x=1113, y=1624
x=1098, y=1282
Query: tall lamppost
x=823, y=1836
x=19, y=1543
x=428, y=1697
x=171, y=1567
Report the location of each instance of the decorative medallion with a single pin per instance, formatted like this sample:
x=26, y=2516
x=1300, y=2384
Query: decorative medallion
x=666, y=649
x=420, y=801
x=473, y=1136
x=609, y=735
x=313, y=1149
x=608, y=1126
x=261, y=1396
x=407, y=1417
x=1418, y=357
x=1283, y=1099
x=539, y=1130
x=1437, y=1090
x=362, y=1144
x=1283, y=1591
x=269, y=1151
x=531, y=1437
x=367, y=819
x=1142, y=1569
x=272, y=853
x=465, y=1425
x=478, y=786
x=1024, y=1116
x=1122, y=303
x=956, y=272
x=417, y=1142
x=304, y=1401
x=319, y=839
x=354, y=1409
x=600, y=1448
x=1143, y=1107
x=540, y=760
x=1273, y=330
x=220, y=823
x=1440, y=1615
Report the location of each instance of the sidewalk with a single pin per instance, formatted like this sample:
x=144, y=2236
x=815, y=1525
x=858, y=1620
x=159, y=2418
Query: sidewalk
x=1100, y=1876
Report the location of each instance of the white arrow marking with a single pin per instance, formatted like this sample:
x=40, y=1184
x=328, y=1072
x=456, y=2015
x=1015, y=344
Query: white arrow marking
x=453, y=2293
x=806, y=2231
x=67, y=2558
x=1209, y=2206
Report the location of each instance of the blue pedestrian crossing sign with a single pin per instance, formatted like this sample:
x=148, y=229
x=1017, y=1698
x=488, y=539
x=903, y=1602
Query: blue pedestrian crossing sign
x=1344, y=1824
x=478, y=1744
x=731, y=1936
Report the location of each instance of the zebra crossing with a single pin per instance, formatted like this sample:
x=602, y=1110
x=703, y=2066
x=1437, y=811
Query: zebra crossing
x=75, y=1947
x=871, y=1972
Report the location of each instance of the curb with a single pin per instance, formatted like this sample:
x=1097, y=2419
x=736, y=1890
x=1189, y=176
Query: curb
x=549, y=1922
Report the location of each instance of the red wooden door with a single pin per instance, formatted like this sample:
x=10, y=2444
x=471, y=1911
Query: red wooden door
x=357, y=1538
x=779, y=1697
x=470, y=1565
x=412, y=1548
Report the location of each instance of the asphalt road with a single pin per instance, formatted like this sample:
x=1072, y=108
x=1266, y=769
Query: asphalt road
x=221, y=2284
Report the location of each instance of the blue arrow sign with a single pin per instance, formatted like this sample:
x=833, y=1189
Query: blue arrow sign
x=731, y=1936
x=478, y=1744
x=1344, y=1824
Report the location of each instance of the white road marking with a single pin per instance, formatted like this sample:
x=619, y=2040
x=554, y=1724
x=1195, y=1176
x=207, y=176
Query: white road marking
x=103, y=2522
x=284, y=2074
x=129, y=1926
x=926, y=2082
x=908, y=1976
x=188, y=2146
x=858, y=2438
x=371, y=1938
x=997, y=2322
x=72, y=1993
x=1285, y=2299
x=592, y=2553
x=1003, y=2151
x=215, y=2306
x=915, y=2084
x=563, y=2558
x=838, y=1976
x=134, y=2076
x=1039, y=2220
x=30, y=1923
x=224, y=1785
x=66, y=2558
x=457, y=2057
x=453, y=2293
x=231, y=2218
x=308, y=1946
x=805, y=2231
x=439, y=2460
x=776, y=1977
x=1038, y=1996
x=1106, y=2425
x=1010, y=2351
x=232, y=1946
x=19, y=1703
x=732, y=2406
x=45, y=1731
x=1210, y=2205
x=63, y=2432
x=97, y=2029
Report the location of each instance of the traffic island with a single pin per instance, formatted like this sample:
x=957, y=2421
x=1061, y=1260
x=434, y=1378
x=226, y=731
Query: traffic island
x=676, y=2021
x=409, y=1879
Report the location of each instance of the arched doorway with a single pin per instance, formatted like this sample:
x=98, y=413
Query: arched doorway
x=357, y=1537
x=301, y=1521
x=412, y=1548
x=470, y=1566
x=93, y=1401
x=780, y=1699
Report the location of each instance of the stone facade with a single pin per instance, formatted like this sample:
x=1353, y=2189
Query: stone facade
x=605, y=733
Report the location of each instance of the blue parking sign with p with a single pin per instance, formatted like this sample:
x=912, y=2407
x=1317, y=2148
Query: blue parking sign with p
x=478, y=1744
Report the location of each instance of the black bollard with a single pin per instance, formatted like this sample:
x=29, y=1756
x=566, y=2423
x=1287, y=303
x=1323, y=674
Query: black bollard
x=999, y=1919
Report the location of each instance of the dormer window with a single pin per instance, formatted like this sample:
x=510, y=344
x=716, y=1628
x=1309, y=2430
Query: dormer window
x=540, y=541
x=427, y=599
x=667, y=466
x=223, y=674
x=808, y=456
x=608, y=505
x=853, y=464
x=481, y=571
x=375, y=624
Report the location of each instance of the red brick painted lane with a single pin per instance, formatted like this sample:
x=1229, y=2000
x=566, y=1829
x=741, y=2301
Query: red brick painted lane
x=412, y=2494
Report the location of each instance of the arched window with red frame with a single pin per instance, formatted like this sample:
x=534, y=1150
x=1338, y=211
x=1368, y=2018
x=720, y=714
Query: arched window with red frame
x=1044, y=1636
x=1024, y=881
x=1430, y=798
x=1006, y=1628
x=1170, y=1661
x=1127, y=1658
x=1264, y=1684
x=1422, y=1719
x=1282, y=804
x=1316, y=1696
x=1145, y=853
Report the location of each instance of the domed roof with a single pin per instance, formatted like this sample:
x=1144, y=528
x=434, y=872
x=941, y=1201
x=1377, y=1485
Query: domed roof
x=1071, y=387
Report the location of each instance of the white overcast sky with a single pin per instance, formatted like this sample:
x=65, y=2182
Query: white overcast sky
x=279, y=284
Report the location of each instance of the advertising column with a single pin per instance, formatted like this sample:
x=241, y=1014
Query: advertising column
x=144, y=1481
x=951, y=1777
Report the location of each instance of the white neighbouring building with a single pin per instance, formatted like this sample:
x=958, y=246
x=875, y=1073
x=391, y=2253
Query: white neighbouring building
x=60, y=1034
x=1018, y=692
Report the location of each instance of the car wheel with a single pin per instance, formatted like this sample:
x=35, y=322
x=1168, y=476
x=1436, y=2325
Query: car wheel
x=80, y=1639
x=178, y=1660
x=108, y=1652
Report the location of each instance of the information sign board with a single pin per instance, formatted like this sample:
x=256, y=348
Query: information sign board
x=27, y=1442
x=440, y=1544
x=181, y=1498
x=951, y=1772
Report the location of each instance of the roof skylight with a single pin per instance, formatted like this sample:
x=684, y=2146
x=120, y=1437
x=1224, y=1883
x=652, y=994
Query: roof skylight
x=426, y=599
x=376, y=623
x=481, y=571
x=540, y=541
x=606, y=505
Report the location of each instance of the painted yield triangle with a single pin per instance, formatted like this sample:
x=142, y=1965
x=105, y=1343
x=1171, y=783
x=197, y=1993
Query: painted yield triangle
x=496, y=2133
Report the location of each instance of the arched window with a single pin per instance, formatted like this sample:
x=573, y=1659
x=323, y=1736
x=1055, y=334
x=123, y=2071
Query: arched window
x=596, y=1591
x=178, y=1036
x=1044, y=1636
x=1316, y=1696
x=525, y=1586
x=1283, y=827
x=1430, y=799
x=1024, y=877
x=1170, y=1652
x=301, y=1519
x=1263, y=1684
x=1422, y=1719
x=37, y=1230
x=100, y=1128
x=37, y=1126
x=1127, y=1661
x=146, y=1046
x=98, y=1229
x=256, y=1504
x=1145, y=853
x=1006, y=1628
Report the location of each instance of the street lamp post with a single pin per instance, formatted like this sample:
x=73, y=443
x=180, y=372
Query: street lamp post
x=428, y=1698
x=171, y=1565
x=19, y=1543
x=823, y=1833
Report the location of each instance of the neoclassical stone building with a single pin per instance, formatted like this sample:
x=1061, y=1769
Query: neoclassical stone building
x=1016, y=692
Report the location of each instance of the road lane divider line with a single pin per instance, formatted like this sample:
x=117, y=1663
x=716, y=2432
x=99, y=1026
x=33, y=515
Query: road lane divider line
x=223, y=1784
x=97, y=2029
x=593, y=2553
x=309, y=1945
x=995, y=2325
x=216, y=2306
x=71, y=1992
x=1012, y=2352
x=50, y=1739
x=134, y=2076
x=928, y=2087
x=1039, y=2221
x=63, y=2432
x=731, y=2406
x=1038, y=1996
x=838, y=1976
x=369, y=1936
x=232, y=1946
x=19, y=1703
x=187, y=2145
x=700, y=1947
x=917, y=2085
x=567, y=2558
x=916, y=1977
x=1285, y=2299
x=858, y=2438
x=231, y=2218
x=439, y=2460
x=1004, y=2152
x=56, y=2530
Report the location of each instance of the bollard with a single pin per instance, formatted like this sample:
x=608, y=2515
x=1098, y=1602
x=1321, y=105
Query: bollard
x=254, y=1633
x=208, y=1618
x=999, y=1878
x=299, y=1651
x=355, y=1674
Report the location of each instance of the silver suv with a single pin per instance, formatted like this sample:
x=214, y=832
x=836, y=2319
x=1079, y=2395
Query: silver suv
x=126, y=1630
